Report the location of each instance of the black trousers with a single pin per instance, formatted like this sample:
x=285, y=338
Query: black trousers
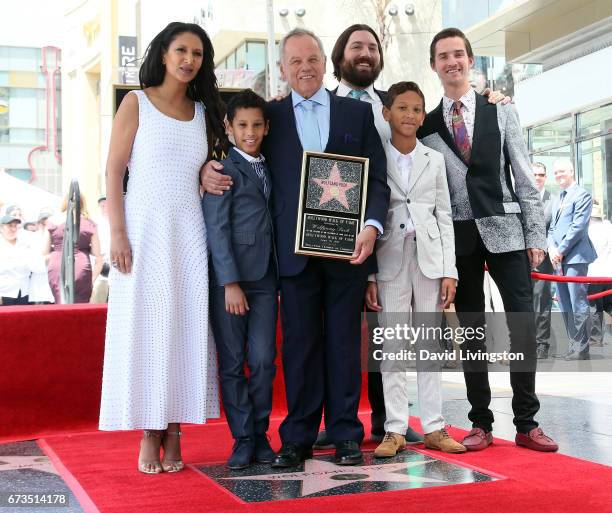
x=598, y=307
x=512, y=275
x=542, y=303
x=321, y=321
x=12, y=301
x=249, y=339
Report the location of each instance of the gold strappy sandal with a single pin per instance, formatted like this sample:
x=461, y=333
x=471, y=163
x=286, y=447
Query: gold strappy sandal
x=171, y=465
x=151, y=467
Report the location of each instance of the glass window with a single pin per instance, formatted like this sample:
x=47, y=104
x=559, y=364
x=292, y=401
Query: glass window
x=23, y=108
x=4, y=58
x=231, y=61
x=256, y=56
x=22, y=174
x=24, y=59
x=594, y=165
x=241, y=57
x=547, y=158
x=26, y=136
x=551, y=134
x=465, y=13
x=594, y=122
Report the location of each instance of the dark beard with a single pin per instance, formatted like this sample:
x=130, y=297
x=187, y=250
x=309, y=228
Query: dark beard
x=352, y=75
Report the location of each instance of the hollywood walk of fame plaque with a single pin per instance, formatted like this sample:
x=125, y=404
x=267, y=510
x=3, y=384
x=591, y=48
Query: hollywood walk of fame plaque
x=332, y=203
x=319, y=477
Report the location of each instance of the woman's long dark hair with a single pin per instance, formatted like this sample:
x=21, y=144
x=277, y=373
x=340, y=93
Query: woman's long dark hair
x=202, y=88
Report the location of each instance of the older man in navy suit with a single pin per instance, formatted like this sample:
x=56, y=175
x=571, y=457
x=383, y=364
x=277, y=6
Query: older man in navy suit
x=571, y=251
x=321, y=299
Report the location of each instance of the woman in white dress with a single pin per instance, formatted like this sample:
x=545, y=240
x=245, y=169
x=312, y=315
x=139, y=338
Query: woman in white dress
x=159, y=363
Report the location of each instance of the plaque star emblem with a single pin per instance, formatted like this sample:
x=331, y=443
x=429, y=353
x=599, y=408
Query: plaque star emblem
x=319, y=475
x=334, y=187
x=41, y=463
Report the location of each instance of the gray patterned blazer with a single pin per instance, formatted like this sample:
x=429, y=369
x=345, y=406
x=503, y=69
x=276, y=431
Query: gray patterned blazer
x=496, y=189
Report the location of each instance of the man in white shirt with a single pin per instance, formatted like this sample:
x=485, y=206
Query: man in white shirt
x=358, y=60
x=17, y=262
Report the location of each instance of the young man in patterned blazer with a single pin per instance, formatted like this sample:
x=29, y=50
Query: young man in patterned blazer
x=496, y=223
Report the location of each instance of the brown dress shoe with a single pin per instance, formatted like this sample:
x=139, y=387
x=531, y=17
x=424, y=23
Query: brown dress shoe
x=440, y=440
x=536, y=440
x=392, y=444
x=477, y=440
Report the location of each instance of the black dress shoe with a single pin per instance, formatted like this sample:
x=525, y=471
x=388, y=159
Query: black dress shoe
x=242, y=454
x=348, y=453
x=542, y=352
x=263, y=453
x=291, y=455
x=322, y=441
x=377, y=433
x=412, y=437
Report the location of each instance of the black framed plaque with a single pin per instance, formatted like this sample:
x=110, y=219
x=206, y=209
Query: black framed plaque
x=333, y=191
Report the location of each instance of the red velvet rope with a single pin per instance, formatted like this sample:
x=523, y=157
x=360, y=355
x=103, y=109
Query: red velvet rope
x=571, y=279
x=574, y=279
x=599, y=294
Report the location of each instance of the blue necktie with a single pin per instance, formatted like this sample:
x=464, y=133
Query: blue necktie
x=311, y=137
x=561, y=200
x=357, y=93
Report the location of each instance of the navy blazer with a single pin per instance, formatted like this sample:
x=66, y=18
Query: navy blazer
x=239, y=225
x=352, y=132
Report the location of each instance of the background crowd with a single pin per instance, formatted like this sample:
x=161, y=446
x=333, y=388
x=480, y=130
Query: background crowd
x=31, y=256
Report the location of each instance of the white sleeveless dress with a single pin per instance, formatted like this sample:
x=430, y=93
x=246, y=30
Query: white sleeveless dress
x=160, y=364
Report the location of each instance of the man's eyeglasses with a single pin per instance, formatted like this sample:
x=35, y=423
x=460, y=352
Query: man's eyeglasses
x=539, y=174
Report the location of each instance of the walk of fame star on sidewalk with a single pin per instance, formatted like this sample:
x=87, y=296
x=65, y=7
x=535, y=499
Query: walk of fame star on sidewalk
x=334, y=187
x=41, y=463
x=319, y=475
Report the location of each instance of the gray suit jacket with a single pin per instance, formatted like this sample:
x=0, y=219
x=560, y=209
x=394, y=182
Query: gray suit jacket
x=239, y=225
x=569, y=228
x=496, y=189
x=427, y=202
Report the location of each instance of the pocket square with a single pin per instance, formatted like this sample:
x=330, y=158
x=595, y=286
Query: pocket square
x=348, y=138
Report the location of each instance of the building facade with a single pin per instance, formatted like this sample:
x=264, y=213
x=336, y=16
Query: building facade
x=566, y=108
x=30, y=115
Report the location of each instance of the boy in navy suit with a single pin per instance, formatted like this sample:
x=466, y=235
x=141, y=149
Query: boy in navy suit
x=243, y=283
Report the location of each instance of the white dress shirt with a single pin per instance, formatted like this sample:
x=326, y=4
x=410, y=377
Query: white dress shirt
x=370, y=96
x=468, y=111
x=322, y=112
x=17, y=262
x=404, y=165
x=250, y=158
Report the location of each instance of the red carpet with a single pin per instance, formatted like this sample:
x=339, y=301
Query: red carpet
x=51, y=377
x=51, y=369
x=104, y=465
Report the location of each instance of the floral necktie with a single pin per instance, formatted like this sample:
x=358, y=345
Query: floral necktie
x=462, y=141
